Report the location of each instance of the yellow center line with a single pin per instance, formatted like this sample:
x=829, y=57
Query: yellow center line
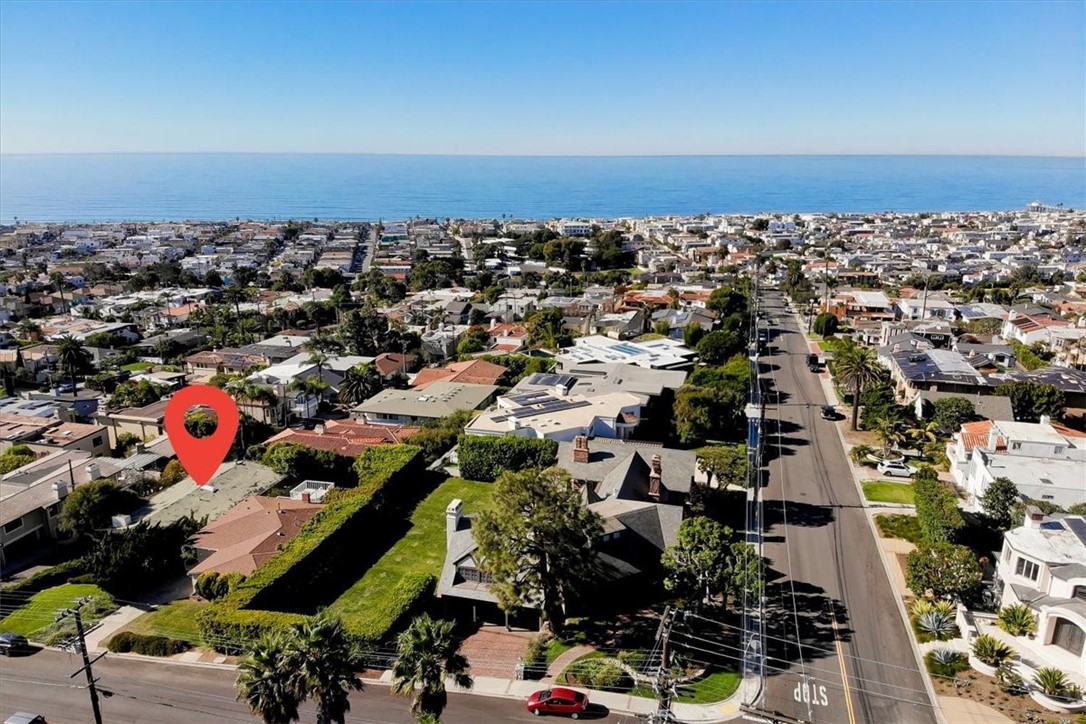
x=844, y=671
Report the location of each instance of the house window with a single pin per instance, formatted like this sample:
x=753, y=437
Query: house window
x=474, y=575
x=1079, y=592
x=1016, y=446
x=13, y=526
x=97, y=441
x=1046, y=497
x=1027, y=569
x=53, y=509
x=1059, y=450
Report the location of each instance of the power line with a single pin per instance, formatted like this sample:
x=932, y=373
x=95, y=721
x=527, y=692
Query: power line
x=82, y=644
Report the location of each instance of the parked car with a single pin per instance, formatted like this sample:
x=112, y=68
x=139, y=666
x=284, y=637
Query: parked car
x=812, y=359
x=895, y=469
x=558, y=700
x=12, y=643
x=22, y=717
x=829, y=412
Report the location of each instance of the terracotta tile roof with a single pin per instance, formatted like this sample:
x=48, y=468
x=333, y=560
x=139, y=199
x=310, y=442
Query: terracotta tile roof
x=388, y=363
x=1068, y=432
x=250, y=533
x=975, y=434
x=471, y=372
x=345, y=437
x=509, y=330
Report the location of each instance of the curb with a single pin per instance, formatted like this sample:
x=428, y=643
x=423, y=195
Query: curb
x=831, y=395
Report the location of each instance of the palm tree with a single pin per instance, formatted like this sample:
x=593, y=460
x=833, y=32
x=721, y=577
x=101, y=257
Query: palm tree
x=359, y=384
x=428, y=654
x=30, y=329
x=325, y=665
x=251, y=393
x=311, y=385
x=855, y=367
x=890, y=434
x=73, y=357
x=58, y=281
x=267, y=685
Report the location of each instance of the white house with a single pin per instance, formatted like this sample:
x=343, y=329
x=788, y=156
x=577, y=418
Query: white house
x=543, y=415
x=1045, y=461
x=1043, y=565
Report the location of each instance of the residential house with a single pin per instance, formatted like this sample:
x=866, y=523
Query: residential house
x=146, y=423
x=866, y=305
x=226, y=360
x=544, y=415
x=1044, y=460
x=408, y=407
x=348, y=438
x=249, y=534
x=661, y=354
x=939, y=370
x=1032, y=324
x=471, y=372
x=392, y=364
x=626, y=484
x=1043, y=565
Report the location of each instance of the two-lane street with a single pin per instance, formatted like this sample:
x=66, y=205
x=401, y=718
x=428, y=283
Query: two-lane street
x=154, y=692
x=826, y=585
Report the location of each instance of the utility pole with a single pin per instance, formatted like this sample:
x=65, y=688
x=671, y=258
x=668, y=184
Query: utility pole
x=86, y=668
x=664, y=685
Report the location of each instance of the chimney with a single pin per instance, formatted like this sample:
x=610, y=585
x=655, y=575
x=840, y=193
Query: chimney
x=493, y=322
x=93, y=471
x=453, y=513
x=1046, y=420
x=581, y=452
x=1034, y=516
x=319, y=428
x=993, y=437
x=307, y=497
x=61, y=490
x=656, y=483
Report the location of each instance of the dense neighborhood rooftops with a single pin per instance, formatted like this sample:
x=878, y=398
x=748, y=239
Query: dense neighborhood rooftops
x=653, y=354
x=474, y=372
x=605, y=377
x=439, y=399
x=345, y=437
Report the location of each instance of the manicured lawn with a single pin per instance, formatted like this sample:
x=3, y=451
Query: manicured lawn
x=889, y=492
x=138, y=366
x=556, y=648
x=906, y=527
x=39, y=612
x=717, y=686
x=175, y=620
x=421, y=550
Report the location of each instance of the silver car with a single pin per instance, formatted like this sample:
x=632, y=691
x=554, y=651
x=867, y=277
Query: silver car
x=895, y=469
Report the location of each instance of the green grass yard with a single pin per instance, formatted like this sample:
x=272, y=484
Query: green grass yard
x=40, y=610
x=889, y=492
x=421, y=550
x=137, y=366
x=175, y=620
x=906, y=527
x=716, y=686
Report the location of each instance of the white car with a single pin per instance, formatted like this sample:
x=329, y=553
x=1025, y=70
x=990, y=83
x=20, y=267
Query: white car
x=895, y=469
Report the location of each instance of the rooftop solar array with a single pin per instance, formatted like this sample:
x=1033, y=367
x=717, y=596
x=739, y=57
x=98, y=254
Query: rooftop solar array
x=1078, y=527
x=542, y=406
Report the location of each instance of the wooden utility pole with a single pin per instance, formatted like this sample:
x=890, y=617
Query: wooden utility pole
x=664, y=684
x=82, y=644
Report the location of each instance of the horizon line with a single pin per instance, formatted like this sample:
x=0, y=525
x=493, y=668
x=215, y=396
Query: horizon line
x=539, y=155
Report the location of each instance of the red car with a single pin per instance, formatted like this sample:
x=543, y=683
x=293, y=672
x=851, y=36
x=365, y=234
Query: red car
x=558, y=701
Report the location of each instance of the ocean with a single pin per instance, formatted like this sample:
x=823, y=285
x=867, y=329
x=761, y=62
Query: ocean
x=162, y=187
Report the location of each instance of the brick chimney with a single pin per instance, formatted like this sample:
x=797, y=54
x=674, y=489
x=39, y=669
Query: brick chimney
x=656, y=480
x=993, y=437
x=580, y=449
x=1034, y=517
x=319, y=428
x=307, y=497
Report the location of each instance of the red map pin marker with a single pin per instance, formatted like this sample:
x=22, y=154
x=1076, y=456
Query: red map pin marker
x=201, y=456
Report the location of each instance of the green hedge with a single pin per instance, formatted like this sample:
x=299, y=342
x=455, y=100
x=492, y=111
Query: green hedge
x=407, y=598
x=330, y=549
x=485, y=458
x=147, y=645
x=54, y=576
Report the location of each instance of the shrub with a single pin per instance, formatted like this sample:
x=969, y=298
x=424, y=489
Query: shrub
x=825, y=324
x=598, y=674
x=407, y=597
x=1017, y=619
x=1054, y=684
x=485, y=458
x=937, y=625
x=213, y=585
x=173, y=473
x=298, y=461
x=859, y=454
x=1010, y=681
x=535, y=658
x=128, y=641
x=945, y=662
x=920, y=607
x=991, y=651
x=936, y=508
x=944, y=569
x=61, y=573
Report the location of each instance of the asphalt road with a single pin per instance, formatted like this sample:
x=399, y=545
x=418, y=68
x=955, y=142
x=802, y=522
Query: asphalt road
x=153, y=692
x=827, y=580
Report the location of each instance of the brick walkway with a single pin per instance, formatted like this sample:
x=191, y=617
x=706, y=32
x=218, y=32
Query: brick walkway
x=565, y=659
x=493, y=651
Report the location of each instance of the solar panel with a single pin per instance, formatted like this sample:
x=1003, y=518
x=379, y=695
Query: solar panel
x=1078, y=527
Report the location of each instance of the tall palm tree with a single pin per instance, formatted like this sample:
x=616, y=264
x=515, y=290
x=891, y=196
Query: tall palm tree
x=325, y=665
x=58, y=281
x=359, y=384
x=311, y=385
x=266, y=684
x=73, y=357
x=855, y=368
x=30, y=329
x=428, y=654
x=246, y=392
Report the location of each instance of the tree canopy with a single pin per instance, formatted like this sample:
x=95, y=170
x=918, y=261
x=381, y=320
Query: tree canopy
x=538, y=541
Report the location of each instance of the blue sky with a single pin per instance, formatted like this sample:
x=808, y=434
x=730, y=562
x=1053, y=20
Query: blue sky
x=553, y=78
